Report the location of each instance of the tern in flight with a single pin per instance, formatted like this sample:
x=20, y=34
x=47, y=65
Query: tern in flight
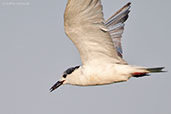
x=99, y=44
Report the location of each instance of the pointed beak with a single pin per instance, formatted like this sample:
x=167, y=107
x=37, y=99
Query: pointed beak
x=56, y=85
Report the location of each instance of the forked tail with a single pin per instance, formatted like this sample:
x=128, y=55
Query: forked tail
x=149, y=70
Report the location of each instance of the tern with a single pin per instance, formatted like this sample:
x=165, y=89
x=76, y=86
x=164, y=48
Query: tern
x=99, y=44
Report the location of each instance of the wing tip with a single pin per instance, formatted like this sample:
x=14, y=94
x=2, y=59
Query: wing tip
x=124, y=8
x=128, y=4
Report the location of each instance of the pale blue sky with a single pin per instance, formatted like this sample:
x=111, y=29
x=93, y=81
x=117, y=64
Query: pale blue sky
x=34, y=51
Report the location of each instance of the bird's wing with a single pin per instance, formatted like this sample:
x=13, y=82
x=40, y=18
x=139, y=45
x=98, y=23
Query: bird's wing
x=84, y=25
x=115, y=24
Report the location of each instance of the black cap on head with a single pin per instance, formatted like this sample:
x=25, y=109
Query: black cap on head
x=69, y=71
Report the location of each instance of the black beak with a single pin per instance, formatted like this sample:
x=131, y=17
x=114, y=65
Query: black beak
x=56, y=85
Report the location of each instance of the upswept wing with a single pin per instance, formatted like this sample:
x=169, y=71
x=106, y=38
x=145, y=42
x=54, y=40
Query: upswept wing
x=115, y=24
x=84, y=25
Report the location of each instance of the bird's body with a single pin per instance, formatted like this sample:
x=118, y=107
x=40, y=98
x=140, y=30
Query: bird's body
x=101, y=74
x=99, y=44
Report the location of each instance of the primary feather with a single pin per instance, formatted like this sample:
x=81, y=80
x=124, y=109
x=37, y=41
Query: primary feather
x=115, y=24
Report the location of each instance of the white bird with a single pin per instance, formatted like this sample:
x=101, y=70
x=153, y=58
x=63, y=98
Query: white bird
x=99, y=44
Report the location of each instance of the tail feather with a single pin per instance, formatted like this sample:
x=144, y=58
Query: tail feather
x=155, y=70
x=150, y=70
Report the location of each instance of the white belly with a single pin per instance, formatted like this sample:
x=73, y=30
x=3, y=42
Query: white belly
x=104, y=74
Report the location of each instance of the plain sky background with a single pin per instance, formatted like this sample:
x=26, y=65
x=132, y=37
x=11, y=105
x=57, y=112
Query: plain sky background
x=34, y=51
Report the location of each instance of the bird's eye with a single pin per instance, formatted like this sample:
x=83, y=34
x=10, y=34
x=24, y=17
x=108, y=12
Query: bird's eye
x=64, y=75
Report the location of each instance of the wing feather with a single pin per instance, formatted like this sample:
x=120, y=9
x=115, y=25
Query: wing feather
x=115, y=24
x=84, y=25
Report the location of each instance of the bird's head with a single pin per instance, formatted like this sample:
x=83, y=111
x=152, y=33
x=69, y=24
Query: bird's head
x=66, y=76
